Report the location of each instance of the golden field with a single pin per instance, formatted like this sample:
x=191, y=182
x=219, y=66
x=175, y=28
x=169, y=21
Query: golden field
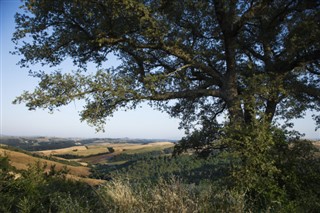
x=99, y=153
x=80, y=151
x=22, y=161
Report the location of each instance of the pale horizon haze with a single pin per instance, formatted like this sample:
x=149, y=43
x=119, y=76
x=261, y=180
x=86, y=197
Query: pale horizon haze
x=17, y=120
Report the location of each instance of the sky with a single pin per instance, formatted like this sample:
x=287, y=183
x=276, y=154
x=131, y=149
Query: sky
x=17, y=120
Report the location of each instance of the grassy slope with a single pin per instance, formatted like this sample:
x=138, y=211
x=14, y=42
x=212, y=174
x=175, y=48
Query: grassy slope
x=98, y=153
x=124, y=148
x=93, y=154
x=21, y=161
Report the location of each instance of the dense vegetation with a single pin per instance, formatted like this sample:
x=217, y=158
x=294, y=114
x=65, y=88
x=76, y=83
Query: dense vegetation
x=158, y=182
x=38, y=191
x=284, y=177
x=151, y=166
x=34, y=190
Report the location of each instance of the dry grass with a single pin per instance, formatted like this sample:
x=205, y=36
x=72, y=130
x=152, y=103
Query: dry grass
x=123, y=148
x=126, y=146
x=81, y=151
x=22, y=161
x=147, y=148
x=168, y=196
x=86, y=151
x=62, y=151
x=90, y=181
x=120, y=147
x=165, y=197
x=317, y=144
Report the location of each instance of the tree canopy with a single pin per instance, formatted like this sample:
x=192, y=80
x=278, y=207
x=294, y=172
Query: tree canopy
x=249, y=60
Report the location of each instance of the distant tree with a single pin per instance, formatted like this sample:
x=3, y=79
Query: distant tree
x=5, y=167
x=110, y=149
x=253, y=61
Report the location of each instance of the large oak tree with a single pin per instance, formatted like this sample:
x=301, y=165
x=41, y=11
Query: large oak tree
x=249, y=60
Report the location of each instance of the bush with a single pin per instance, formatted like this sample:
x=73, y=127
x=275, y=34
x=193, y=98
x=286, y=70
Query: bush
x=276, y=172
x=38, y=191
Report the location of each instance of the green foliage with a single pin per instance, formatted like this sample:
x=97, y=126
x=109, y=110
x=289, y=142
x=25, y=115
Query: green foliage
x=253, y=169
x=140, y=155
x=300, y=174
x=110, y=149
x=148, y=168
x=210, y=57
x=4, y=164
x=273, y=171
x=272, y=168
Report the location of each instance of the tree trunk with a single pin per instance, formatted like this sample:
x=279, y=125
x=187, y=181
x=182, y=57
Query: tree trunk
x=230, y=82
x=270, y=110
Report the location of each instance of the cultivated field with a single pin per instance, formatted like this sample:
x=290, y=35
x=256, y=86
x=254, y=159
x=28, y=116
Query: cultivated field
x=100, y=153
x=91, y=153
x=81, y=151
x=22, y=161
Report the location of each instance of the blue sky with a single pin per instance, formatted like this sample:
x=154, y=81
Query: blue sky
x=17, y=120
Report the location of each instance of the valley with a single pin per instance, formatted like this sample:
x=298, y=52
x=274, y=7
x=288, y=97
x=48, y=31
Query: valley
x=78, y=156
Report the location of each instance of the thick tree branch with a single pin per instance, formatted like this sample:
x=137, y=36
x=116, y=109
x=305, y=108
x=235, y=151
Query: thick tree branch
x=285, y=66
x=183, y=94
x=178, y=52
x=308, y=90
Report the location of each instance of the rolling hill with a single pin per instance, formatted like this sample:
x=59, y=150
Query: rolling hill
x=22, y=160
